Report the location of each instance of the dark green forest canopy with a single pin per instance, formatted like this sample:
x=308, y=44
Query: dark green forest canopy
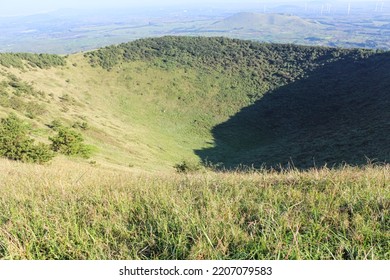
x=276, y=64
x=220, y=52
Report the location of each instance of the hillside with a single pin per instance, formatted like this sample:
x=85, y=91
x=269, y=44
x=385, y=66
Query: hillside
x=153, y=110
x=253, y=21
x=72, y=211
x=268, y=27
x=152, y=103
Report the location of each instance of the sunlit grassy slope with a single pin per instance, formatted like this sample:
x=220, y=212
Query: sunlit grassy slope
x=133, y=113
x=141, y=113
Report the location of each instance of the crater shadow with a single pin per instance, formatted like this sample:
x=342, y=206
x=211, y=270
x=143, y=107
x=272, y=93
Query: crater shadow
x=339, y=114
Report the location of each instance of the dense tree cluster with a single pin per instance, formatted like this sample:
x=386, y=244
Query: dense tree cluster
x=42, y=61
x=17, y=144
x=279, y=62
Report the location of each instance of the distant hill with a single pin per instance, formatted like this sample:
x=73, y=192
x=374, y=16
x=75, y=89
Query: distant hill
x=254, y=21
x=68, y=31
x=152, y=103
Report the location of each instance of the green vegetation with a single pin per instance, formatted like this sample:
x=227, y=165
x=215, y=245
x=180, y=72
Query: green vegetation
x=42, y=61
x=276, y=62
x=21, y=96
x=304, y=87
x=15, y=143
x=73, y=211
x=226, y=102
x=187, y=167
x=219, y=120
x=81, y=125
x=337, y=114
x=69, y=142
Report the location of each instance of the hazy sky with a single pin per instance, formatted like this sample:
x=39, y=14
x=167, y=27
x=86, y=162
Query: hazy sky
x=17, y=7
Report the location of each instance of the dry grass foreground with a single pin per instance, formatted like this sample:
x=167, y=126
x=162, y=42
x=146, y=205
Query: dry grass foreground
x=71, y=210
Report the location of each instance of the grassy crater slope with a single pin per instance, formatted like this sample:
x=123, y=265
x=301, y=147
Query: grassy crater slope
x=154, y=102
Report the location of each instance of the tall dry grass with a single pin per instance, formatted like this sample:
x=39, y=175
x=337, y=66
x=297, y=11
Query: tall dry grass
x=73, y=210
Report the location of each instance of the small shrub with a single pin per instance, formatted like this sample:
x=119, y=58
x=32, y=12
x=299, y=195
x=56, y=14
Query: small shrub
x=40, y=153
x=70, y=143
x=81, y=125
x=55, y=125
x=41, y=93
x=15, y=144
x=64, y=109
x=34, y=109
x=17, y=104
x=21, y=88
x=65, y=98
x=4, y=99
x=186, y=167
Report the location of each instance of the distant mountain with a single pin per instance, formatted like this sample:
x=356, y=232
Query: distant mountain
x=254, y=21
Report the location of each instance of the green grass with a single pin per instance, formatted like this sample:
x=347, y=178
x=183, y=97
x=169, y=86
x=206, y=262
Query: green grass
x=76, y=211
x=34, y=60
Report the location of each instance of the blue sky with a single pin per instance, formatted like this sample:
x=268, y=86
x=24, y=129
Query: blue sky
x=17, y=7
